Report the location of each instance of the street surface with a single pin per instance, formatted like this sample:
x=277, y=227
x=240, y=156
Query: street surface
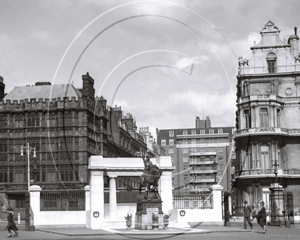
x=223, y=233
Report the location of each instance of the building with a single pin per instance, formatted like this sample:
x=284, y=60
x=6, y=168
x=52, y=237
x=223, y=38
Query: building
x=200, y=155
x=268, y=120
x=65, y=125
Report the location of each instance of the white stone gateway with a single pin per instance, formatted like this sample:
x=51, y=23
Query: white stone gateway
x=118, y=167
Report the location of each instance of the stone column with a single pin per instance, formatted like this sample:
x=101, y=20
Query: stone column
x=87, y=206
x=112, y=196
x=35, y=192
x=275, y=118
x=253, y=117
x=165, y=191
x=271, y=118
x=217, y=198
x=97, y=199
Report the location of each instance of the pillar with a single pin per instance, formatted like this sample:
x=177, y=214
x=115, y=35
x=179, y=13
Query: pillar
x=217, y=198
x=87, y=206
x=97, y=199
x=165, y=191
x=35, y=193
x=253, y=117
x=271, y=118
x=112, y=196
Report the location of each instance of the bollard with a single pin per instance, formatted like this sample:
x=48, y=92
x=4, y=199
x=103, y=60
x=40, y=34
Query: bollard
x=19, y=218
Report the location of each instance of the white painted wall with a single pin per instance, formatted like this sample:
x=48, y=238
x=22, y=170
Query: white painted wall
x=61, y=218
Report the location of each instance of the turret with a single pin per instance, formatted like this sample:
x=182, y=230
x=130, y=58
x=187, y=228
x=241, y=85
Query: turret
x=294, y=42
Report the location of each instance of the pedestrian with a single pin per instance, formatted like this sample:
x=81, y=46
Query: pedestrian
x=247, y=214
x=262, y=216
x=254, y=212
x=11, y=226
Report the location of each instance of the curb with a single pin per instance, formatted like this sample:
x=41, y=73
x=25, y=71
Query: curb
x=144, y=233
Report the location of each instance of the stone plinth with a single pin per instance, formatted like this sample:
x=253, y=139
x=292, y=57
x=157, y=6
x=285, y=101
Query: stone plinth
x=143, y=216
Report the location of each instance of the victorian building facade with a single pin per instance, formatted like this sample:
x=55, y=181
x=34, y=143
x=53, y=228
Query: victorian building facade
x=268, y=119
x=66, y=126
x=201, y=156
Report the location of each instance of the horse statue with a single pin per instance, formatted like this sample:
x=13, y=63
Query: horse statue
x=151, y=175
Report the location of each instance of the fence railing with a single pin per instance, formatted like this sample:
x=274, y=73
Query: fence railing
x=195, y=201
x=62, y=201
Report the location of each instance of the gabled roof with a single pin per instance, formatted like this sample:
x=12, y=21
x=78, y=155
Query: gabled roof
x=43, y=91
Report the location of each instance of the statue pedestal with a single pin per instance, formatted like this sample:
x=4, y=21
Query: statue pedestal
x=143, y=216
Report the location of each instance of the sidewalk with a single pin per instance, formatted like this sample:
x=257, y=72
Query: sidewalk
x=123, y=231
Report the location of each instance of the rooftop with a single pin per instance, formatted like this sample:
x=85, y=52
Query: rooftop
x=43, y=91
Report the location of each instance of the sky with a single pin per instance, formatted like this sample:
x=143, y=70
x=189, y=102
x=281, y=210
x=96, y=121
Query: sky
x=165, y=62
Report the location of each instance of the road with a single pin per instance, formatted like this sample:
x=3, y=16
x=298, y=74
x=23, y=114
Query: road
x=272, y=233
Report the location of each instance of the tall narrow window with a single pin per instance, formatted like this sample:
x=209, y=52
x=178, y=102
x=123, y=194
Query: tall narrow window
x=264, y=153
x=264, y=119
x=278, y=115
x=271, y=60
x=247, y=119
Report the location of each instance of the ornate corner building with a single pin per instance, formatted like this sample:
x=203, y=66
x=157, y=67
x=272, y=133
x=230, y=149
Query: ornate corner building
x=268, y=119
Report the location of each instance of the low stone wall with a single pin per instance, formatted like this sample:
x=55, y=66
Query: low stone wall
x=60, y=219
x=187, y=217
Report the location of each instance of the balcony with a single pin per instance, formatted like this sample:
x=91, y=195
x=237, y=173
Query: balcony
x=202, y=180
x=266, y=131
x=200, y=162
x=204, y=171
x=203, y=154
x=270, y=172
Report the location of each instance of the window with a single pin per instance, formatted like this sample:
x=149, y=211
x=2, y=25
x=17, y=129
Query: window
x=163, y=142
x=271, y=60
x=186, y=177
x=220, y=150
x=184, y=141
x=264, y=119
x=185, y=159
x=278, y=115
x=171, y=133
x=220, y=130
x=211, y=131
x=264, y=153
x=193, y=150
x=171, y=141
x=247, y=119
x=202, y=131
x=193, y=141
x=193, y=132
x=185, y=132
x=185, y=150
x=171, y=150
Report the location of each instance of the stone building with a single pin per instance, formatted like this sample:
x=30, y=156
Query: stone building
x=268, y=119
x=65, y=125
x=200, y=156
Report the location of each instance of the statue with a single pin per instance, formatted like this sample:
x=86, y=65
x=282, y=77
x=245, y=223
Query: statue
x=149, y=179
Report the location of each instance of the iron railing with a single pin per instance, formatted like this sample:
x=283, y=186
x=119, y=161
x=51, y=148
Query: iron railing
x=192, y=201
x=62, y=201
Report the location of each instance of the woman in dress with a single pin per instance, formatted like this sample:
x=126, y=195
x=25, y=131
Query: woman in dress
x=11, y=223
x=262, y=216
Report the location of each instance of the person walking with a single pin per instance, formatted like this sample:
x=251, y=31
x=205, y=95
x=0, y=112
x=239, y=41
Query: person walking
x=11, y=226
x=247, y=214
x=262, y=216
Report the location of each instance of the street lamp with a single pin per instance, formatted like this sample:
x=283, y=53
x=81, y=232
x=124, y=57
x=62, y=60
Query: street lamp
x=275, y=165
x=28, y=150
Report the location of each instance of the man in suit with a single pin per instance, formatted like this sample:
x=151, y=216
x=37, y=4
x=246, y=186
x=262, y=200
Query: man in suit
x=247, y=214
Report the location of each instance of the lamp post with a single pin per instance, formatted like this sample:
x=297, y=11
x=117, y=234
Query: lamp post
x=28, y=150
x=275, y=165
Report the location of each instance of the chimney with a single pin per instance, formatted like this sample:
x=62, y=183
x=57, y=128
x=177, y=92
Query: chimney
x=2, y=88
x=88, y=86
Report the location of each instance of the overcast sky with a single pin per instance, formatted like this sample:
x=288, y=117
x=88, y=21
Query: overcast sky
x=165, y=62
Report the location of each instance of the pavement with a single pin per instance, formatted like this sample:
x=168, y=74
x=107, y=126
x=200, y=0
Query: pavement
x=236, y=229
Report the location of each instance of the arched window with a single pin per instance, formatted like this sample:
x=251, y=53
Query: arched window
x=264, y=156
x=264, y=119
x=271, y=60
